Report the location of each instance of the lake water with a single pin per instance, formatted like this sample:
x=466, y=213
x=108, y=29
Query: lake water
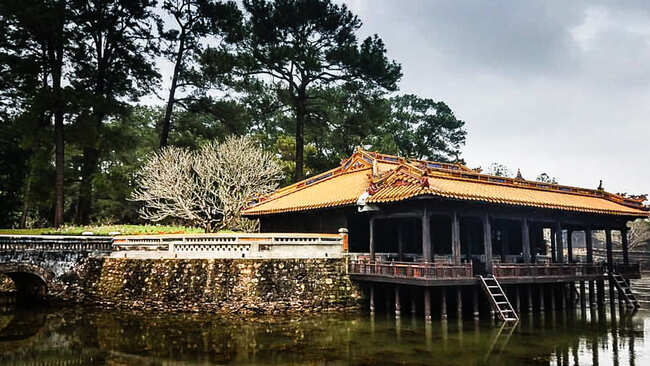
x=83, y=336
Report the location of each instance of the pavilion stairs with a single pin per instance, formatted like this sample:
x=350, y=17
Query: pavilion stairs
x=498, y=299
x=623, y=287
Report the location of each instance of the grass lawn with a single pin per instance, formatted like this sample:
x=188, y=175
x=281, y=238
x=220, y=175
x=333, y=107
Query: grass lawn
x=105, y=229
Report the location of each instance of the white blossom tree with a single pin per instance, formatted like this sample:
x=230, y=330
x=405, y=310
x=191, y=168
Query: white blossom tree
x=208, y=187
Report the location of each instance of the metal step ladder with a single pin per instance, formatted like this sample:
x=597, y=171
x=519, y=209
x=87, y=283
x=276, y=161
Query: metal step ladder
x=624, y=289
x=498, y=299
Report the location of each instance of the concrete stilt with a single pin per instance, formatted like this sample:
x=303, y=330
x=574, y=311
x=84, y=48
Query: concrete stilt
x=553, y=289
x=443, y=303
x=517, y=300
x=414, y=307
x=592, y=294
x=600, y=293
x=459, y=302
x=529, y=292
x=372, y=299
x=475, y=302
x=387, y=304
x=563, y=295
x=427, y=304
x=583, y=301
x=541, y=298
x=398, y=305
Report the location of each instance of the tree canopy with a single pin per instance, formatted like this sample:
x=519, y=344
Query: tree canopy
x=89, y=89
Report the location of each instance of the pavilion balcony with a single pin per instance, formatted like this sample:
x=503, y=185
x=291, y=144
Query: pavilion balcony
x=628, y=270
x=440, y=271
x=546, y=272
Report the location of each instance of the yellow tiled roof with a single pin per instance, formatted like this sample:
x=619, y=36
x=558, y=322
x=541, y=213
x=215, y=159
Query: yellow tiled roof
x=388, y=179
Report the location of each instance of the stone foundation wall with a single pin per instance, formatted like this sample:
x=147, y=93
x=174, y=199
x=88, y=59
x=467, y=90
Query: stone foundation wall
x=233, y=286
x=6, y=284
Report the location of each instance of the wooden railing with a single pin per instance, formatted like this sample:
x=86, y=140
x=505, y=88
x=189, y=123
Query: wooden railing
x=630, y=270
x=230, y=245
x=411, y=270
x=546, y=270
x=55, y=243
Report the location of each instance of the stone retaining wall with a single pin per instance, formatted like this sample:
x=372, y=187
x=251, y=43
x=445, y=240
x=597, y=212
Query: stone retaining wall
x=233, y=286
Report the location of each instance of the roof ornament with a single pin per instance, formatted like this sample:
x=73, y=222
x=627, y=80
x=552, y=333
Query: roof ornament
x=519, y=176
x=374, y=168
x=362, y=206
x=600, y=186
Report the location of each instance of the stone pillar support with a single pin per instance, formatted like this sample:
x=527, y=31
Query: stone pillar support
x=398, y=305
x=443, y=303
x=427, y=304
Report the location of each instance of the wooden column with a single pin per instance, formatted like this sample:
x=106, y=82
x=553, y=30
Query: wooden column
x=610, y=267
x=525, y=240
x=505, y=245
x=610, y=256
x=443, y=303
x=426, y=236
x=541, y=297
x=624, y=244
x=589, y=244
x=553, y=246
x=583, y=300
x=559, y=243
x=372, y=239
x=529, y=289
x=592, y=294
x=427, y=304
x=569, y=245
x=455, y=238
x=487, y=243
x=400, y=242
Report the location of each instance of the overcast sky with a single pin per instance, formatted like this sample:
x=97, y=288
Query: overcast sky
x=561, y=87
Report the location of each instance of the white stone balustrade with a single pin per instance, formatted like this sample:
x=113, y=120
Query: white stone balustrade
x=229, y=246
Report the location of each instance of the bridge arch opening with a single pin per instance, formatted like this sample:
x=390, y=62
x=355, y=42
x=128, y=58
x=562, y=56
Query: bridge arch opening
x=30, y=282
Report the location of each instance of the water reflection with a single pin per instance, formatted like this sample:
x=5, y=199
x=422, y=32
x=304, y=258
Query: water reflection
x=84, y=336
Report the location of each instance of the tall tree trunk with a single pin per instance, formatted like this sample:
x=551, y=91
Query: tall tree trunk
x=166, y=123
x=59, y=161
x=300, y=139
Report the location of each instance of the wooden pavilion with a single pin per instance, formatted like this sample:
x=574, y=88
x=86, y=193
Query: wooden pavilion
x=423, y=223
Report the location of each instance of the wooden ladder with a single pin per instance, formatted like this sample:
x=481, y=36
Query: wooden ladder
x=498, y=299
x=624, y=289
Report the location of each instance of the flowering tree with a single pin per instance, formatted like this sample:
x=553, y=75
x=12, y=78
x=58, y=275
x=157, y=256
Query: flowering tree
x=208, y=187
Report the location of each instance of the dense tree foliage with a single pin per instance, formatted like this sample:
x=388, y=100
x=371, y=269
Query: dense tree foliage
x=82, y=104
x=297, y=47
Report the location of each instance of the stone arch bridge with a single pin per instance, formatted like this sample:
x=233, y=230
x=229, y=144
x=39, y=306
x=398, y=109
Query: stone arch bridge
x=40, y=265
